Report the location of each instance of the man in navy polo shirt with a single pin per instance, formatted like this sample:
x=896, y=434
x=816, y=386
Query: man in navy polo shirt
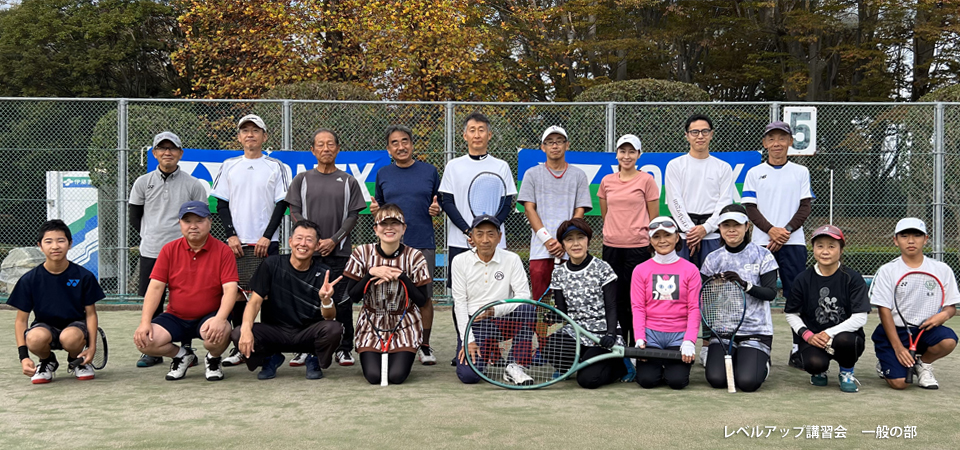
x=62, y=296
x=202, y=275
x=412, y=185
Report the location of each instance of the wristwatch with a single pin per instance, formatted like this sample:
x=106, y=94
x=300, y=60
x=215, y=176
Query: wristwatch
x=788, y=228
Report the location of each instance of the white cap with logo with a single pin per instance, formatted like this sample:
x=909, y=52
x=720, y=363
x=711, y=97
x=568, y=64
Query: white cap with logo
x=252, y=118
x=911, y=223
x=552, y=130
x=631, y=139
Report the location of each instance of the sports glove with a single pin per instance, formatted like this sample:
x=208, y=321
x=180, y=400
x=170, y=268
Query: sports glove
x=734, y=277
x=687, y=348
x=608, y=341
x=640, y=343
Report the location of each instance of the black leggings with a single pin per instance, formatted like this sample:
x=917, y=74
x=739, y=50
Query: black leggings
x=847, y=348
x=399, y=365
x=750, y=367
x=652, y=372
x=623, y=261
x=559, y=351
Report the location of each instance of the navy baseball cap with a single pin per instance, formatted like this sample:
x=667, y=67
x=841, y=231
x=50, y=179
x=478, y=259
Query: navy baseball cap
x=194, y=207
x=485, y=218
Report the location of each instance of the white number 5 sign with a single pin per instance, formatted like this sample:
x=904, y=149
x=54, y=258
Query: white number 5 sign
x=803, y=122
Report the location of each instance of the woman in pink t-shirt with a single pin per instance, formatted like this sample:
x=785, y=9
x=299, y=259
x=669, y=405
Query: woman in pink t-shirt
x=665, y=294
x=628, y=199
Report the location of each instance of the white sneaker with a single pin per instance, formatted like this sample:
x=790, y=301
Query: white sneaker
x=880, y=371
x=235, y=358
x=515, y=374
x=425, y=353
x=84, y=372
x=925, y=375
x=344, y=359
x=45, y=371
x=703, y=355
x=178, y=367
x=214, y=371
x=299, y=359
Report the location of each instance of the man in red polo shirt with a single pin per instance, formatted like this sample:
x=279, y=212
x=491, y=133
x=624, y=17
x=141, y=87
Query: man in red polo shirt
x=202, y=275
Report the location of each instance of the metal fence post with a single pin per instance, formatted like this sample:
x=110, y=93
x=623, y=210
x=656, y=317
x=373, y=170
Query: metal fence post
x=449, y=134
x=287, y=145
x=774, y=111
x=938, y=180
x=123, y=247
x=611, y=127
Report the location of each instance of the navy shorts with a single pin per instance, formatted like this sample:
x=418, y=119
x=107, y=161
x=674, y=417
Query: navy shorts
x=55, y=332
x=889, y=364
x=182, y=330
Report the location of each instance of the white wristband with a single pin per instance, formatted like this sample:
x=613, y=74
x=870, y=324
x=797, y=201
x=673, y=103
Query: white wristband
x=325, y=306
x=544, y=235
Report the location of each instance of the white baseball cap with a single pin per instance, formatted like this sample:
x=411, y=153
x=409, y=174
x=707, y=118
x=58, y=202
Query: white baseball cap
x=911, y=223
x=252, y=118
x=553, y=130
x=167, y=136
x=631, y=139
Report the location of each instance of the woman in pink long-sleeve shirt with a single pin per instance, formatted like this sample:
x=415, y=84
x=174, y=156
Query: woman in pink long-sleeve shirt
x=665, y=297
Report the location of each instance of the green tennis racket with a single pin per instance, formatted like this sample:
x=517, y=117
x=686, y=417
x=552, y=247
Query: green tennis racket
x=504, y=338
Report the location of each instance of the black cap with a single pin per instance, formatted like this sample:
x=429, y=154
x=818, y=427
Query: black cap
x=485, y=218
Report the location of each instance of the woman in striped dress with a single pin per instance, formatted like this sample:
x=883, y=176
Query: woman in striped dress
x=379, y=269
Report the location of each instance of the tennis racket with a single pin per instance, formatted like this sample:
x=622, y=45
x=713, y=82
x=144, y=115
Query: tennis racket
x=486, y=193
x=386, y=306
x=560, y=351
x=99, y=359
x=247, y=266
x=723, y=305
x=917, y=296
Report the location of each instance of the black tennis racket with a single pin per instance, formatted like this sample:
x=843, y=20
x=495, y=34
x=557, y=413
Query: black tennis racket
x=386, y=306
x=559, y=346
x=247, y=266
x=486, y=194
x=723, y=305
x=100, y=354
x=917, y=297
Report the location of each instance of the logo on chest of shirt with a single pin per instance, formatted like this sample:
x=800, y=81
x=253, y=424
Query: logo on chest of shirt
x=340, y=179
x=666, y=287
x=763, y=177
x=498, y=275
x=72, y=283
x=751, y=268
x=149, y=186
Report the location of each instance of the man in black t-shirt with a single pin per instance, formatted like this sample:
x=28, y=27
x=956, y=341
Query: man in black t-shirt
x=827, y=308
x=62, y=296
x=295, y=294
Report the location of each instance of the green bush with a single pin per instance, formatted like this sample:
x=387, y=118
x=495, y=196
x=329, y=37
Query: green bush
x=644, y=90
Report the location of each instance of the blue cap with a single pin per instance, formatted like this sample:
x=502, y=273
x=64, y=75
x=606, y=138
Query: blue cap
x=485, y=218
x=194, y=207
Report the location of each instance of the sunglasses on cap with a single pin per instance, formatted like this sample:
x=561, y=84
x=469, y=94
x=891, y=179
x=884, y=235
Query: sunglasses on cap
x=667, y=224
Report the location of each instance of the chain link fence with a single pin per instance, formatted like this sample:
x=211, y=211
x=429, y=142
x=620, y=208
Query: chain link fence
x=874, y=162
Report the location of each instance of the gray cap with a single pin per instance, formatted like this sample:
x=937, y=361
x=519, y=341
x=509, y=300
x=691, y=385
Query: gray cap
x=778, y=125
x=167, y=136
x=252, y=118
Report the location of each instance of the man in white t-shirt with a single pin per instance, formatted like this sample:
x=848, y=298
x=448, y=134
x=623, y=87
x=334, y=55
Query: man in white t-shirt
x=551, y=193
x=250, y=191
x=455, y=186
x=480, y=277
x=890, y=338
x=777, y=196
x=697, y=186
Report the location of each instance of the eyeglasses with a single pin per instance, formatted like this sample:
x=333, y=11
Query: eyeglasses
x=166, y=149
x=705, y=132
x=554, y=143
x=666, y=224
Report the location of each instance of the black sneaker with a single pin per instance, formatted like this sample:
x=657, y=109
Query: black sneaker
x=149, y=361
x=313, y=368
x=179, y=366
x=795, y=361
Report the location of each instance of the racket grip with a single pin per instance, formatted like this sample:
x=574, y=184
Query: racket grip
x=909, y=378
x=383, y=369
x=728, y=364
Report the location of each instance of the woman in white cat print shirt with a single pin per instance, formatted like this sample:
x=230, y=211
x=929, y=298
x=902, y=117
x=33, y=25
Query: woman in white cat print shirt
x=665, y=296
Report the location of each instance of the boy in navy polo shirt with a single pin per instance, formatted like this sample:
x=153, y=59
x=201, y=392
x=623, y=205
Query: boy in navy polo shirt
x=62, y=296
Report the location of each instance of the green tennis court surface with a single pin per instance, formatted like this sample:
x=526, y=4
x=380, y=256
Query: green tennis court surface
x=127, y=407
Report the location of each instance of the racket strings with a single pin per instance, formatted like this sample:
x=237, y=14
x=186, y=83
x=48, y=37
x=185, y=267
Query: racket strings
x=247, y=266
x=917, y=297
x=485, y=194
x=722, y=307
